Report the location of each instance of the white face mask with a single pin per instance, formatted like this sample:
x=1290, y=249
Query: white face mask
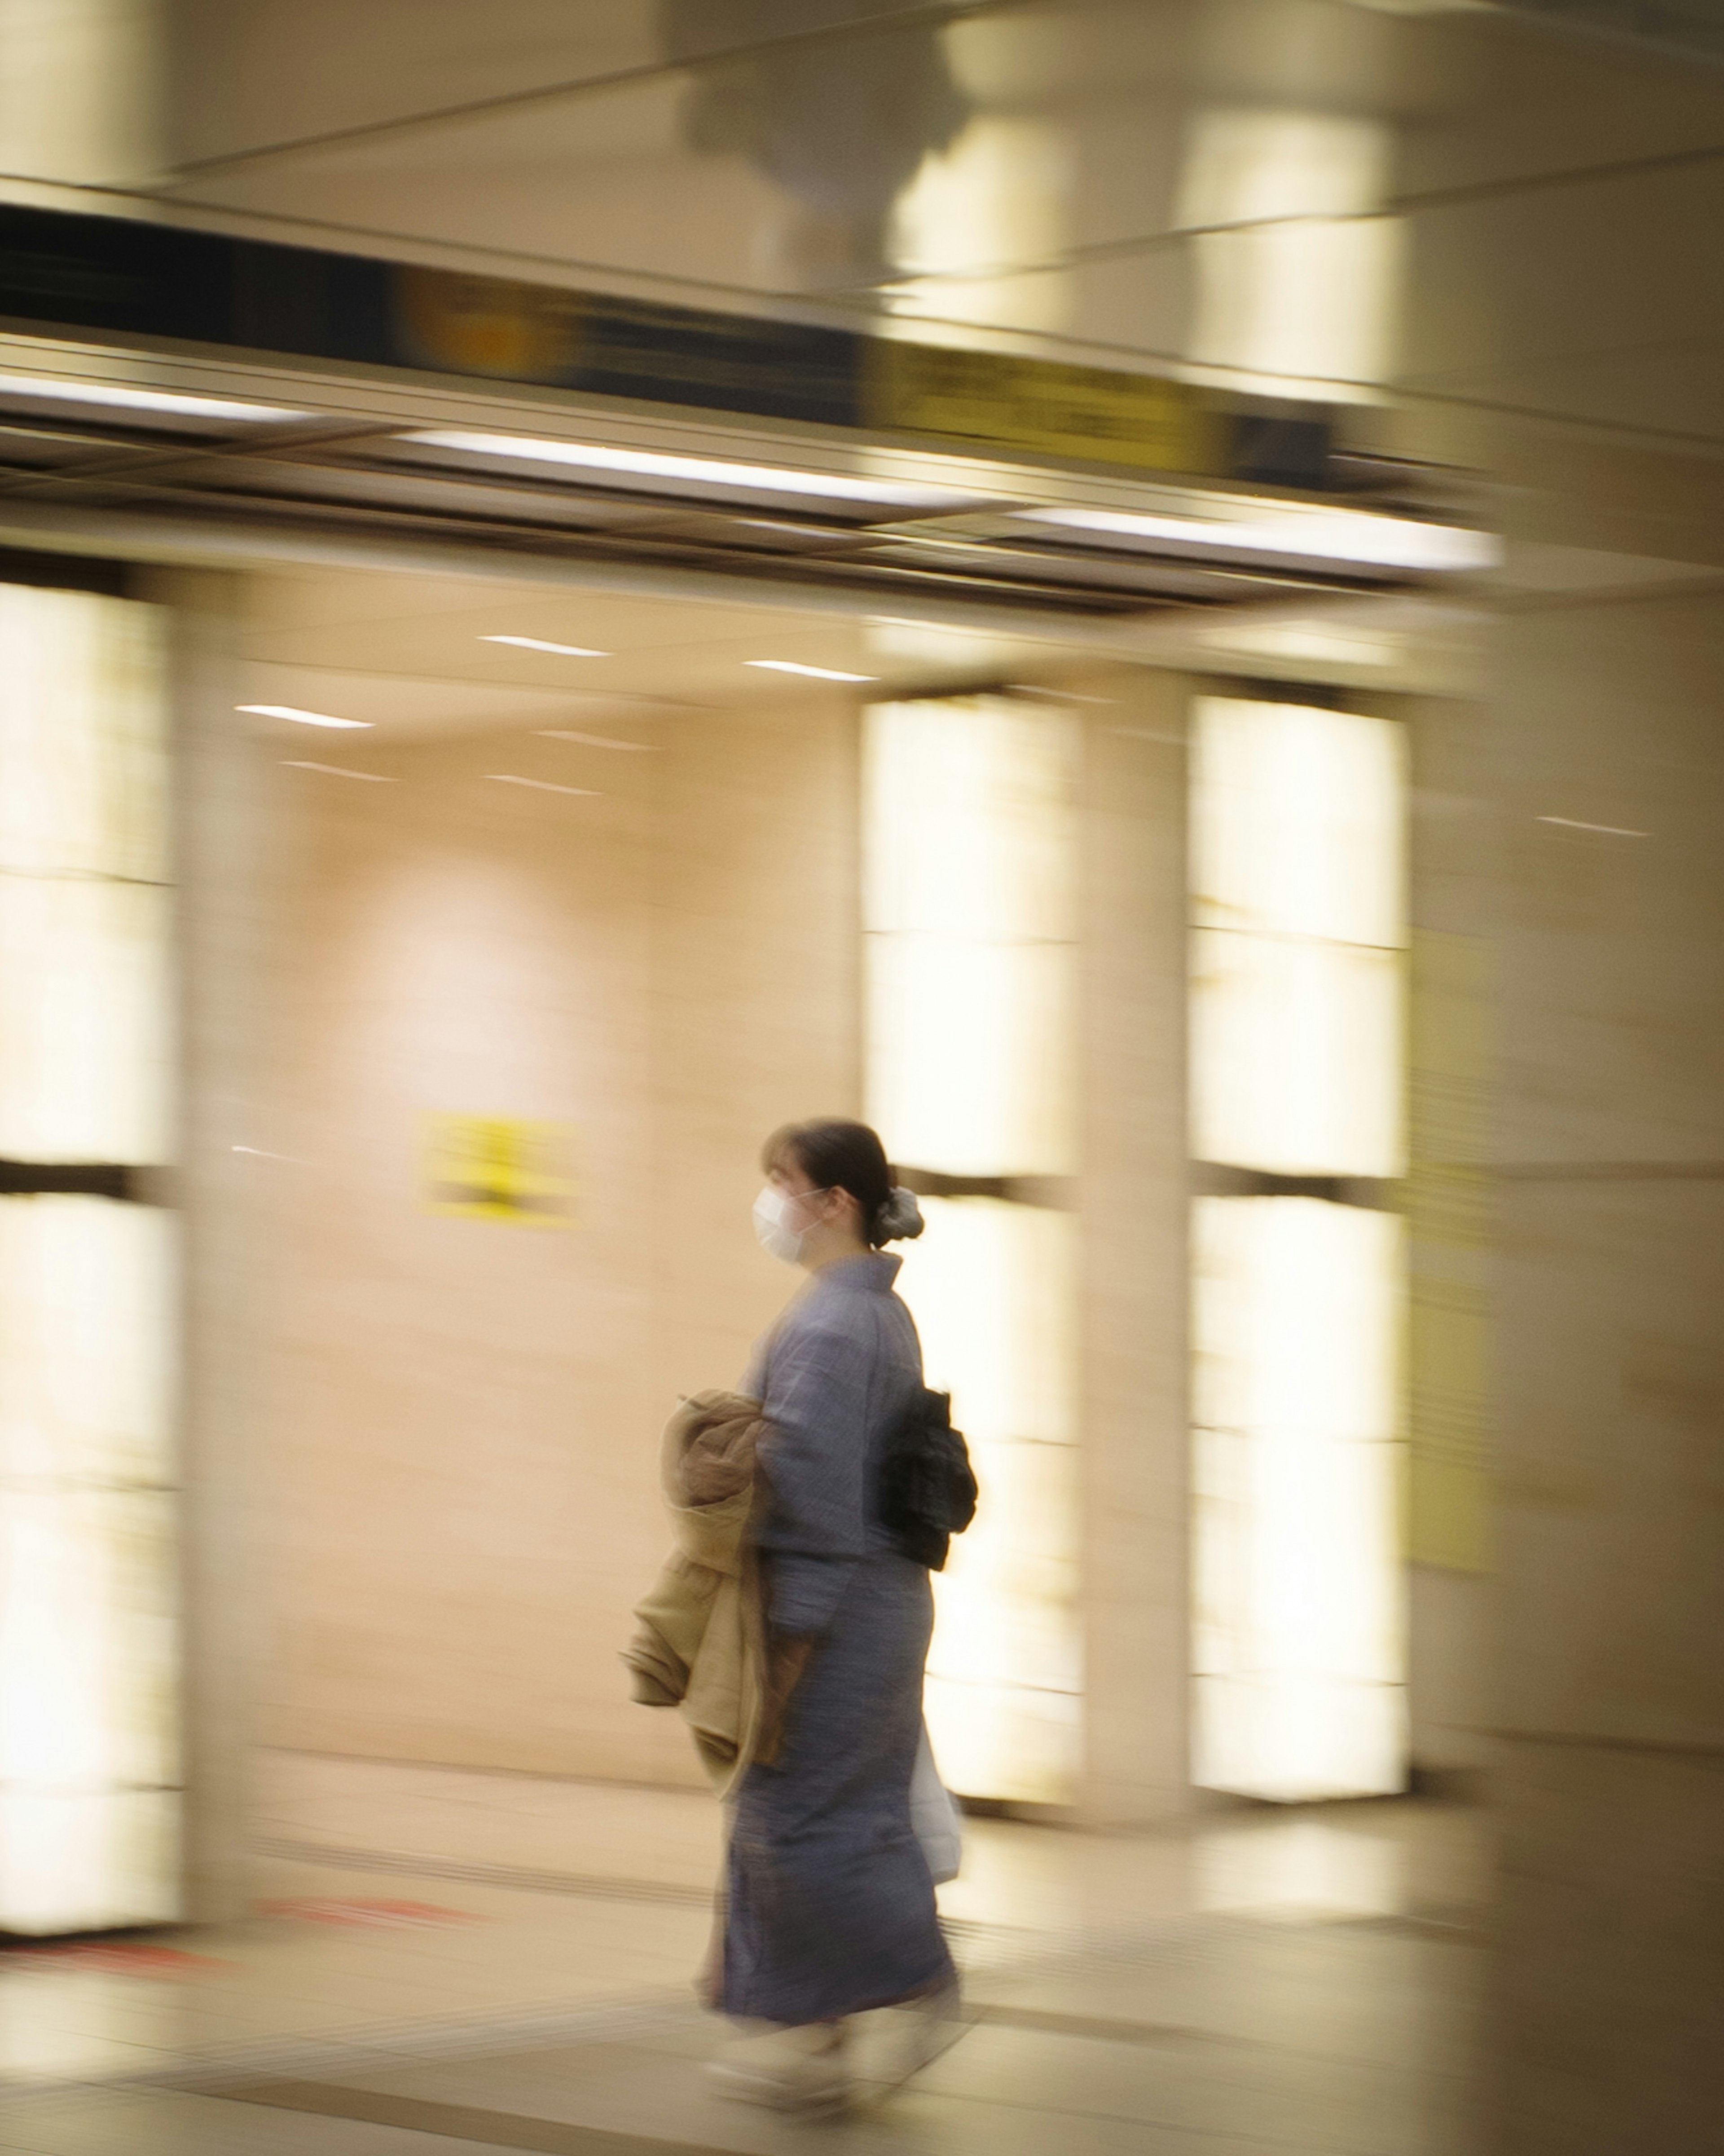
x=771, y=1224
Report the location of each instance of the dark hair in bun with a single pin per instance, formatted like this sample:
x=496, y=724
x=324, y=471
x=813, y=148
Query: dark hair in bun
x=835, y=1155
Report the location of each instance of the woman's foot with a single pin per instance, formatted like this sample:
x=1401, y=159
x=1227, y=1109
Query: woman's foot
x=920, y=2029
x=802, y=2069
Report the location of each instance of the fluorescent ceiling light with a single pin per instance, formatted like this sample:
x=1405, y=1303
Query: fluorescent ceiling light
x=141, y=400
x=338, y=771
x=1336, y=534
x=698, y=471
x=1609, y=830
x=814, y=673
x=538, y=644
x=594, y=740
x=301, y=718
x=543, y=785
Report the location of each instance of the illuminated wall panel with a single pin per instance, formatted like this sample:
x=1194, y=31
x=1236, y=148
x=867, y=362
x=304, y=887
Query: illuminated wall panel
x=989, y=1080
x=84, y=1018
x=1298, y=822
x=1297, y=958
x=89, y=1766
x=1298, y=1618
x=1297, y=1070
x=992, y=1286
x=969, y=913
x=1295, y=1049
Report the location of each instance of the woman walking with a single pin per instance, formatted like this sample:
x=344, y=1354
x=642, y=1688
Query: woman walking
x=830, y=1907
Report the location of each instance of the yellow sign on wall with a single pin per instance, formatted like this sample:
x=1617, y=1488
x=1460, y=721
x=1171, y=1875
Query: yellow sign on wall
x=500, y=1168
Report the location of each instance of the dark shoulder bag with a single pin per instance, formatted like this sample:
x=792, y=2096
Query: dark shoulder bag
x=926, y=1490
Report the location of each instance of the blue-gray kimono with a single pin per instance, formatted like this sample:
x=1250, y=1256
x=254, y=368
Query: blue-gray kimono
x=830, y=1909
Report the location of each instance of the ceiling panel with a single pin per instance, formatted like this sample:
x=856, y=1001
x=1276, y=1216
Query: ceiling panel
x=274, y=71
x=410, y=706
x=1018, y=136
x=405, y=655
x=1039, y=168
x=454, y=613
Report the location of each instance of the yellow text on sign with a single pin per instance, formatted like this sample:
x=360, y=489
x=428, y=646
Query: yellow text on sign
x=1043, y=405
x=500, y=1168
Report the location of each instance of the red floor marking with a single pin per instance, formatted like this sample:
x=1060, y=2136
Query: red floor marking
x=382, y=1915
x=117, y=1958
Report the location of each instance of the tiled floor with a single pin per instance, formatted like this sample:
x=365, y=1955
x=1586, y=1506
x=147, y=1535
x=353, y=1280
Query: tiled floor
x=444, y=1960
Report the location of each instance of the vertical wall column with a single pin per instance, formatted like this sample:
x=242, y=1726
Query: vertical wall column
x=226, y=973
x=1298, y=960
x=970, y=919
x=1133, y=1263
x=1608, y=1705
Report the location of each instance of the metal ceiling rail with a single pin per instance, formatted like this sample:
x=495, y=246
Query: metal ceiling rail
x=335, y=483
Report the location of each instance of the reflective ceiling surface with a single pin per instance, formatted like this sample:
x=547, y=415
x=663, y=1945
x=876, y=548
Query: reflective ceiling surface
x=416, y=657
x=1475, y=209
x=1439, y=221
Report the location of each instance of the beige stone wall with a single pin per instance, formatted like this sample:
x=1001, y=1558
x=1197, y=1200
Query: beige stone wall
x=225, y=861
x=1609, y=1695
x=457, y=1491
x=1604, y=1690
x=458, y=1506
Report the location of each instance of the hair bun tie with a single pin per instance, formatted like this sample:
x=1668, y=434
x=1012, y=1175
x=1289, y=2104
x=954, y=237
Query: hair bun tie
x=900, y=1218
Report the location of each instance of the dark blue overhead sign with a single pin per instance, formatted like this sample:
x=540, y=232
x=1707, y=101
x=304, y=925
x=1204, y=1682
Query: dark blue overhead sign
x=124, y=280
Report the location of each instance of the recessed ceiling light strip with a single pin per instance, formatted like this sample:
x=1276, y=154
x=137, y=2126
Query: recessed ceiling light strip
x=1334, y=534
x=338, y=771
x=301, y=718
x=539, y=643
x=540, y=785
x=813, y=673
x=169, y=404
x=691, y=471
x=594, y=741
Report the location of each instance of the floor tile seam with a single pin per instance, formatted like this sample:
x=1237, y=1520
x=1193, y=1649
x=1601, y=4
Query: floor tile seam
x=458, y=1771
x=1050, y=1945
x=1191, y=1925
x=520, y=1878
x=423, y=2041
x=570, y=2138
x=479, y=2125
x=1206, y=1943
x=1103, y=2029
x=1564, y=1740
x=981, y=2014
x=470, y=2124
x=1035, y=2022
x=1235, y=2136
x=469, y=2035
x=384, y=2048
